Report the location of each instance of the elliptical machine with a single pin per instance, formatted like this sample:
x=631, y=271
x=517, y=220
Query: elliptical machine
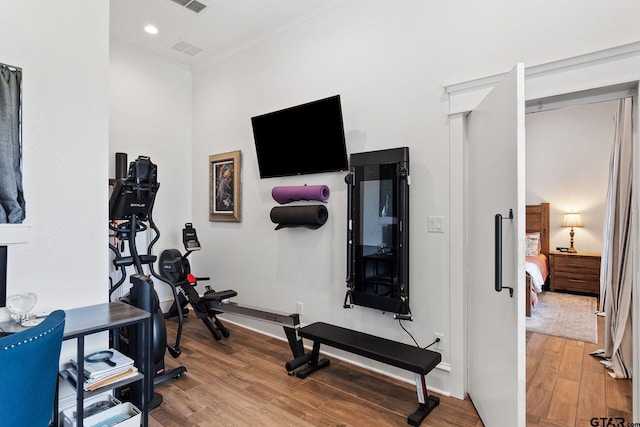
x=130, y=209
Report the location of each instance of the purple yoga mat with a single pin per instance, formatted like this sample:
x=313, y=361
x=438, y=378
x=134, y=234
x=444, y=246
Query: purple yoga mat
x=284, y=195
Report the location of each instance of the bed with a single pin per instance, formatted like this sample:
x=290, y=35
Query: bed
x=537, y=252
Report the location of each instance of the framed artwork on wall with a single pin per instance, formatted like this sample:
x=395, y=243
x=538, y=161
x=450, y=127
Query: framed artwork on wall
x=224, y=187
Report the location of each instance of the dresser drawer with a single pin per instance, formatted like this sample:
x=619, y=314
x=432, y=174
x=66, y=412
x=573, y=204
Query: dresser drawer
x=587, y=283
x=577, y=263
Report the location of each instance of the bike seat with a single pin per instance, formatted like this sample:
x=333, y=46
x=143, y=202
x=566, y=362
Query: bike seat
x=218, y=296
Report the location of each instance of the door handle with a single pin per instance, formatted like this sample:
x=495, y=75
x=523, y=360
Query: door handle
x=498, y=253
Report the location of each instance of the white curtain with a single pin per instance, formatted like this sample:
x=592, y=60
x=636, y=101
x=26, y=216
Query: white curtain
x=12, y=206
x=616, y=271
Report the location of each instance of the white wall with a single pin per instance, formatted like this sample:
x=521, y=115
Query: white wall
x=65, y=137
x=150, y=115
x=568, y=153
x=389, y=62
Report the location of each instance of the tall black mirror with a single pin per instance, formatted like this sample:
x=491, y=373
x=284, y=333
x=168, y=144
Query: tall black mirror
x=378, y=233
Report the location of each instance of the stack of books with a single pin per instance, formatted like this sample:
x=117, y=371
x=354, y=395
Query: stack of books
x=98, y=374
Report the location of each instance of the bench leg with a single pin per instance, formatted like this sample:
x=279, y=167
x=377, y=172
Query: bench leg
x=427, y=403
x=313, y=363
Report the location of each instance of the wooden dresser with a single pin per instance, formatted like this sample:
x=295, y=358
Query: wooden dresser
x=575, y=272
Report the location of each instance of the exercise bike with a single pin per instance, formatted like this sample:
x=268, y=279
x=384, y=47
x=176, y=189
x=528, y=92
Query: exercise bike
x=130, y=212
x=176, y=270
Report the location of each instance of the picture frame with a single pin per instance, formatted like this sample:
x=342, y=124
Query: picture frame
x=225, y=187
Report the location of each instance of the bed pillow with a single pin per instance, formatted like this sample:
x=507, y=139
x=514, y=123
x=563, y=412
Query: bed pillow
x=533, y=244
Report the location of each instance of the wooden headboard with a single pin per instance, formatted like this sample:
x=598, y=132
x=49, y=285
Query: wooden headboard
x=538, y=220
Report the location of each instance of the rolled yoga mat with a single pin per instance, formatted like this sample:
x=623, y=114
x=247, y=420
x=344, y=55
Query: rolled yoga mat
x=309, y=216
x=284, y=195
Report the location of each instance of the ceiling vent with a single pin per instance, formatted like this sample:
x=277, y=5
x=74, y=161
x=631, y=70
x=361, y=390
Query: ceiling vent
x=192, y=5
x=187, y=48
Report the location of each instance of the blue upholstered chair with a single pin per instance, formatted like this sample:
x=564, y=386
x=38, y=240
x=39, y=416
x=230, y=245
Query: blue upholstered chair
x=29, y=362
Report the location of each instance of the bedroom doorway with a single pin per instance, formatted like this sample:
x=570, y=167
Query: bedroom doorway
x=568, y=153
x=598, y=71
x=568, y=156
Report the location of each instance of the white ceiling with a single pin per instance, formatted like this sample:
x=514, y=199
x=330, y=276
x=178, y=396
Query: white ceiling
x=221, y=29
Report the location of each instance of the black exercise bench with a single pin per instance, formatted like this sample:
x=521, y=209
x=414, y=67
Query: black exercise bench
x=412, y=358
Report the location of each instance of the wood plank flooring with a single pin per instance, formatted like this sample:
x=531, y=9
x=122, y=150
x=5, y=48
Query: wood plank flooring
x=566, y=386
x=241, y=381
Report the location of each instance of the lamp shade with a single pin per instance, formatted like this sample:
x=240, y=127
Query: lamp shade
x=572, y=219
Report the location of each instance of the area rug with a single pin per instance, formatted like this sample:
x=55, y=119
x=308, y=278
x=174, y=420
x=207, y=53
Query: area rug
x=565, y=315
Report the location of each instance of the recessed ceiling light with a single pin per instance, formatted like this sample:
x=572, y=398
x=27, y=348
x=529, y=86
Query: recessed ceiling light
x=151, y=29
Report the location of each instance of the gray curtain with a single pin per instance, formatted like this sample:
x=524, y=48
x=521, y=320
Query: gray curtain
x=616, y=276
x=12, y=205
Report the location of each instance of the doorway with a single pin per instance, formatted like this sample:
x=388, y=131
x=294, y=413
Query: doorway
x=601, y=72
x=568, y=154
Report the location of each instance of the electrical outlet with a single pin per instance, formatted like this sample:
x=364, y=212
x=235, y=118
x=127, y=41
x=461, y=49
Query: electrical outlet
x=439, y=346
x=299, y=308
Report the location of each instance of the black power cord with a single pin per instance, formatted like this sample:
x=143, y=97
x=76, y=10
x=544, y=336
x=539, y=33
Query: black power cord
x=437, y=340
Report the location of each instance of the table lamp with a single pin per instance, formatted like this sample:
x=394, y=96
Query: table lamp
x=572, y=219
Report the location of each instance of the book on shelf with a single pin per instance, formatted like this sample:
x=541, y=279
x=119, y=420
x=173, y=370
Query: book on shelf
x=112, y=367
x=94, y=384
x=114, y=362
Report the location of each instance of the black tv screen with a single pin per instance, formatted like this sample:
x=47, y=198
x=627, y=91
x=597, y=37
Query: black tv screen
x=304, y=139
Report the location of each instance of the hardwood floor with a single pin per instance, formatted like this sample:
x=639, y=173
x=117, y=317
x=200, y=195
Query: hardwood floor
x=241, y=381
x=566, y=386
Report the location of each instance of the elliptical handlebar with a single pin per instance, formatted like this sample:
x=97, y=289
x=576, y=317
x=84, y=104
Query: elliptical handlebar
x=122, y=268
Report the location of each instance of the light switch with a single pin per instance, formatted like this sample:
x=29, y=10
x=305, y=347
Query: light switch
x=435, y=224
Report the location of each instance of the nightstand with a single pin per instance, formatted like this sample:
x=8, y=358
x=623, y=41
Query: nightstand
x=578, y=272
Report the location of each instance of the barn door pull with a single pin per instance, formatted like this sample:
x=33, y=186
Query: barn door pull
x=498, y=255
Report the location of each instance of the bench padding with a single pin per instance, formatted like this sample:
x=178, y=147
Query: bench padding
x=411, y=358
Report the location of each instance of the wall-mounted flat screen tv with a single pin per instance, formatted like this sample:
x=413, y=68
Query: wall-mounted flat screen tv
x=304, y=139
